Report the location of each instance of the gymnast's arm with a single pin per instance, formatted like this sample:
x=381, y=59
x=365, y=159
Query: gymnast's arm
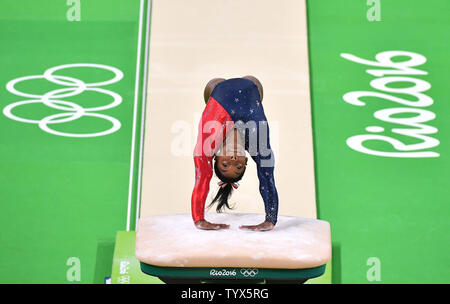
x=203, y=175
x=270, y=197
x=265, y=163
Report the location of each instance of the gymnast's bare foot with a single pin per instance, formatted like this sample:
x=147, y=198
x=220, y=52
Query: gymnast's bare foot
x=264, y=226
x=205, y=225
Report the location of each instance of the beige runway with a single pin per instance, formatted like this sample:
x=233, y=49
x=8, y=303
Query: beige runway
x=227, y=39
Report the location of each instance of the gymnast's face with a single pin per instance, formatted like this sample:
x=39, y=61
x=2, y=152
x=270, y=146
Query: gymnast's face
x=231, y=166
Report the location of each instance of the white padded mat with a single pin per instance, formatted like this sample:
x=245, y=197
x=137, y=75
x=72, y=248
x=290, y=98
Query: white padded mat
x=173, y=240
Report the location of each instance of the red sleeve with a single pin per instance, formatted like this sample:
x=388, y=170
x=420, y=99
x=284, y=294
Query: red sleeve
x=214, y=124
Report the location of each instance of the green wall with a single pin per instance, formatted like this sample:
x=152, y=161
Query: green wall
x=389, y=215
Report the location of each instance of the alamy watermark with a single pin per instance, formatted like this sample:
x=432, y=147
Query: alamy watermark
x=214, y=133
x=73, y=273
x=374, y=11
x=374, y=272
x=74, y=11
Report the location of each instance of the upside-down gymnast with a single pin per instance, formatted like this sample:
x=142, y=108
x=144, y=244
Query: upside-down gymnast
x=233, y=121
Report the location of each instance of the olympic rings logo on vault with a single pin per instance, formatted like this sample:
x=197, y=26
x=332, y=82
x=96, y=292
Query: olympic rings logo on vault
x=249, y=272
x=54, y=99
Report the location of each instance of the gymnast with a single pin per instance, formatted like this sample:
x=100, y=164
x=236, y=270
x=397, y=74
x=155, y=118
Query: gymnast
x=233, y=121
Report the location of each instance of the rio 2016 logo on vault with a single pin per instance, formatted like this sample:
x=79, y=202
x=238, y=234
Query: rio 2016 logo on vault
x=71, y=110
x=412, y=114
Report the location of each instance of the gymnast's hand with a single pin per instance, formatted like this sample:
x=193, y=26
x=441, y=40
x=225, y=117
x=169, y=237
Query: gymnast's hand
x=264, y=226
x=205, y=225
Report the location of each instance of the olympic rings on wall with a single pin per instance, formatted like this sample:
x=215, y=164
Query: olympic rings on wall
x=73, y=111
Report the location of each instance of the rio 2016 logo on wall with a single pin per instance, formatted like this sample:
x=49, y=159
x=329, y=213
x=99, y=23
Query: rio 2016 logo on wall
x=411, y=114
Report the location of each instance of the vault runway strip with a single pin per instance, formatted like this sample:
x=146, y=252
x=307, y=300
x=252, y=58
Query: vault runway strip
x=241, y=38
